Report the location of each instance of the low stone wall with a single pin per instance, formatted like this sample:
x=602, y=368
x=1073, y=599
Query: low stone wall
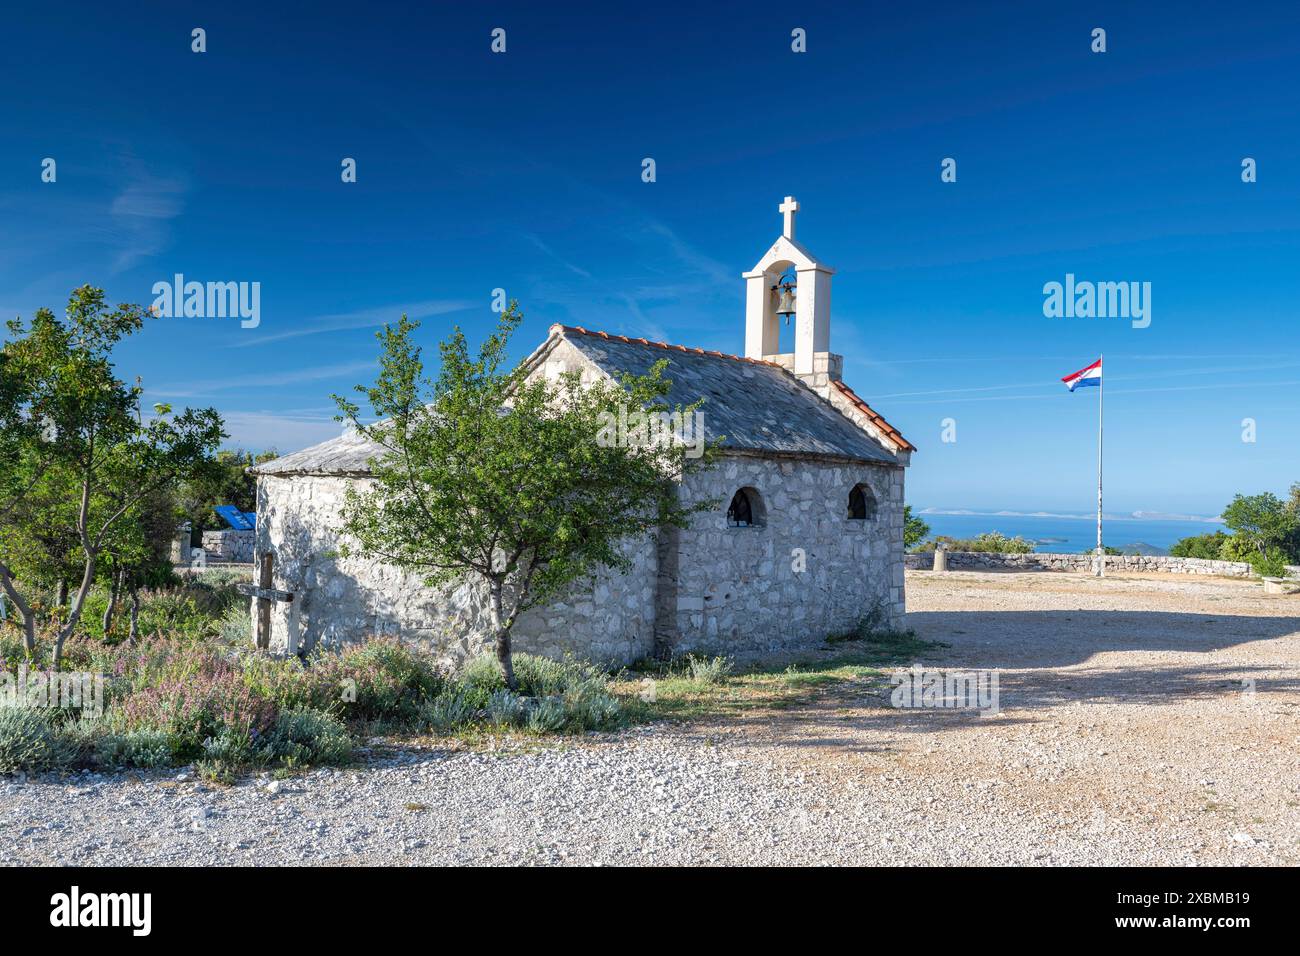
x=989, y=561
x=230, y=545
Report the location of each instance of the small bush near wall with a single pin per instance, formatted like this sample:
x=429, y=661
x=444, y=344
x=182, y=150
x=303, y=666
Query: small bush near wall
x=992, y=542
x=1208, y=547
x=190, y=697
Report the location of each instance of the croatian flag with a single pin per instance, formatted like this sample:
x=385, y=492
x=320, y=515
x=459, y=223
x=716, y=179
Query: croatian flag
x=1085, y=376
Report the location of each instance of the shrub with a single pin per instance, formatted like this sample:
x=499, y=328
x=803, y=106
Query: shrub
x=390, y=678
x=236, y=627
x=30, y=741
x=450, y=710
x=543, y=677
x=1237, y=548
x=591, y=706
x=216, y=771
x=143, y=749
x=231, y=747
x=1206, y=546
x=708, y=670
x=993, y=542
x=301, y=737
x=1270, y=565
x=180, y=613
x=548, y=716
x=284, y=681
x=484, y=673
x=210, y=704
x=505, y=708
x=223, y=584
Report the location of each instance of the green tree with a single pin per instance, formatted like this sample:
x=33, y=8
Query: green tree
x=914, y=529
x=227, y=483
x=491, y=475
x=1264, y=522
x=138, y=554
x=1207, y=546
x=80, y=435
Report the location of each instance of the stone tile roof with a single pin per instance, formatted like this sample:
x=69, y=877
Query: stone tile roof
x=346, y=455
x=873, y=416
x=757, y=405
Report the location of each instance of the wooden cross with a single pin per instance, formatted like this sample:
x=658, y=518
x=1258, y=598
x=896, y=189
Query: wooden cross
x=788, y=208
x=266, y=596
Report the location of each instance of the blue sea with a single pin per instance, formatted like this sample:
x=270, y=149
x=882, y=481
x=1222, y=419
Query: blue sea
x=1071, y=535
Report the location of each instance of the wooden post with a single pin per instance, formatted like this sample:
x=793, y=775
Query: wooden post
x=266, y=595
x=264, y=604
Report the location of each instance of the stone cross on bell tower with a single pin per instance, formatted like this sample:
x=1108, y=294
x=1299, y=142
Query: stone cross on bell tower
x=788, y=209
x=812, y=360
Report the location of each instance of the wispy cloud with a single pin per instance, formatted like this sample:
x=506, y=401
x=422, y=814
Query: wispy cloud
x=689, y=256
x=667, y=284
x=361, y=319
x=260, y=381
x=140, y=215
x=284, y=432
x=576, y=270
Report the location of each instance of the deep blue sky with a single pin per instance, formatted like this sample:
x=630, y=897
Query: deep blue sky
x=522, y=171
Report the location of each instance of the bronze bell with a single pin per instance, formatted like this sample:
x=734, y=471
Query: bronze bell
x=785, y=304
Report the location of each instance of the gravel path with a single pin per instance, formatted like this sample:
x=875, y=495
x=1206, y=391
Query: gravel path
x=1127, y=736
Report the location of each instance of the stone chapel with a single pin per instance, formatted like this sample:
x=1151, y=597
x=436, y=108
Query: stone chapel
x=807, y=539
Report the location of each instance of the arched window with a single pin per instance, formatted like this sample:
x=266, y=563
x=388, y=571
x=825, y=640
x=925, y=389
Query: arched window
x=862, y=503
x=746, y=509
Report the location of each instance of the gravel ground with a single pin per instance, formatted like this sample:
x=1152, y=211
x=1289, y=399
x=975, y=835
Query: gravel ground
x=1145, y=720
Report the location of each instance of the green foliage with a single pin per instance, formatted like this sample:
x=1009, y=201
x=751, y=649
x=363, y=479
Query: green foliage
x=1271, y=564
x=142, y=749
x=451, y=710
x=482, y=674
x=548, y=716
x=543, y=677
x=592, y=707
x=236, y=627
x=217, y=772
x=1206, y=546
x=505, y=708
x=914, y=529
x=389, y=680
x=85, y=479
x=527, y=500
x=30, y=741
x=227, y=483
x=990, y=541
x=554, y=697
x=1237, y=548
x=1265, y=521
x=708, y=670
x=302, y=737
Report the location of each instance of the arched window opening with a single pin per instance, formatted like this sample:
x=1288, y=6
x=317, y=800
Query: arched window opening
x=862, y=504
x=745, y=510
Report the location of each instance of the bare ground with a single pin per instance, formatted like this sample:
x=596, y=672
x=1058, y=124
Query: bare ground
x=1144, y=720
x=1159, y=710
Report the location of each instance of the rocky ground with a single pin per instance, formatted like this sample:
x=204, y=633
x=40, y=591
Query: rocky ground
x=1144, y=720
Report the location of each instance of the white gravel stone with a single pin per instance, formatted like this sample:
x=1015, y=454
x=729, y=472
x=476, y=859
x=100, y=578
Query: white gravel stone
x=1195, y=772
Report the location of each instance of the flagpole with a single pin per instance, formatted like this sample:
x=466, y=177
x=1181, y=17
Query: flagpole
x=1101, y=388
